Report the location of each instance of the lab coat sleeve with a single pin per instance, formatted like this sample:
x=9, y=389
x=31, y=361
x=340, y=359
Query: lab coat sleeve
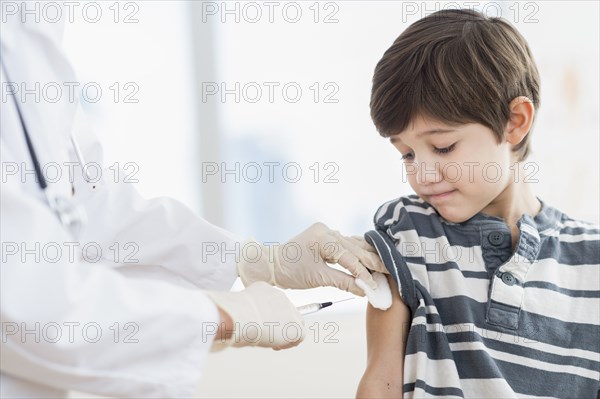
x=159, y=237
x=83, y=326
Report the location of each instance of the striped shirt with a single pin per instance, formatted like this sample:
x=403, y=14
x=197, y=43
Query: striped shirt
x=487, y=321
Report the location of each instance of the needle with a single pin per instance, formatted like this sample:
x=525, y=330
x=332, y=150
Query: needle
x=315, y=307
x=343, y=300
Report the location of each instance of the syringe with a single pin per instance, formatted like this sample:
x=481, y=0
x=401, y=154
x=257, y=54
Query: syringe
x=315, y=307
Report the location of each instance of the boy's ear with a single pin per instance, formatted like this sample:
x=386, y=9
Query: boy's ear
x=521, y=118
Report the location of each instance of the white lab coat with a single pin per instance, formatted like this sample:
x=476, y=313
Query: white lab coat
x=166, y=314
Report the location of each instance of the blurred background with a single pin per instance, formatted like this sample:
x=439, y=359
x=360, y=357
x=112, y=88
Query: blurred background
x=256, y=116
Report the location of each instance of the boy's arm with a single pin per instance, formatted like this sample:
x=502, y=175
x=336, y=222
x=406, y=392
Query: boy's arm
x=387, y=332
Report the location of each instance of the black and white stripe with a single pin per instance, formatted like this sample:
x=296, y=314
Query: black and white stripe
x=474, y=335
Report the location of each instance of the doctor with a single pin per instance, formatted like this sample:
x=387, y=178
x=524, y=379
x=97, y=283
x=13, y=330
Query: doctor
x=108, y=293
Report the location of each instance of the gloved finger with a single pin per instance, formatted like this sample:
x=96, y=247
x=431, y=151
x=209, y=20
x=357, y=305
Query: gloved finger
x=350, y=262
x=330, y=249
x=290, y=343
x=338, y=279
x=335, y=248
x=287, y=346
x=368, y=259
x=362, y=243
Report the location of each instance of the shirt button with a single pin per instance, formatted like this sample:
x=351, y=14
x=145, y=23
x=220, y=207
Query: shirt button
x=496, y=238
x=508, y=279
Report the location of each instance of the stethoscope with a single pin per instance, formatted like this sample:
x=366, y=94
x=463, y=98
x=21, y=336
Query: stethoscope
x=71, y=216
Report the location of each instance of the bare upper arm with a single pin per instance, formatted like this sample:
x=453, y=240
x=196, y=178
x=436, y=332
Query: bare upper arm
x=387, y=332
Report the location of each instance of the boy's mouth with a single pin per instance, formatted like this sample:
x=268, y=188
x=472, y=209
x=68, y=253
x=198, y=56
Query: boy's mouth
x=444, y=194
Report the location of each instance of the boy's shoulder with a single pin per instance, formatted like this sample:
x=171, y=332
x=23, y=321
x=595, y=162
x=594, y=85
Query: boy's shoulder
x=566, y=224
x=404, y=210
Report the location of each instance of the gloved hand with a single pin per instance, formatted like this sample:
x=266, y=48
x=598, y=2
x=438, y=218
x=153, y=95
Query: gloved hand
x=376, y=264
x=301, y=262
x=262, y=316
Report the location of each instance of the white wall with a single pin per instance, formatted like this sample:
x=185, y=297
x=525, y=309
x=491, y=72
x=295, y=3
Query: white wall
x=152, y=124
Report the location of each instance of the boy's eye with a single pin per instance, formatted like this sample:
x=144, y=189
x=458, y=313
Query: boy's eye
x=444, y=150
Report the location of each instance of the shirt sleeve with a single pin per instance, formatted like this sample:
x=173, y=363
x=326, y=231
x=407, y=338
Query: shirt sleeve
x=74, y=325
x=382, y=239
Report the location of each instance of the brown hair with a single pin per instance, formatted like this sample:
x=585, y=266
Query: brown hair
x=454, y=66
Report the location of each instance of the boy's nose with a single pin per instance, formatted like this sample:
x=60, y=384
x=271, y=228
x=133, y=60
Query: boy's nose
x=428, y=172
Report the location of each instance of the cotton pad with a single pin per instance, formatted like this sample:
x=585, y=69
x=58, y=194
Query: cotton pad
x=381, y=297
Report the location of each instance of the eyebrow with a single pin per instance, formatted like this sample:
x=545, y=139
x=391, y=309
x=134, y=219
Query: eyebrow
x=431, y=131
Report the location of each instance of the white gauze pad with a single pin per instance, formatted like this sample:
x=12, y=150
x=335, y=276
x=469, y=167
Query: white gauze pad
x=381, y=297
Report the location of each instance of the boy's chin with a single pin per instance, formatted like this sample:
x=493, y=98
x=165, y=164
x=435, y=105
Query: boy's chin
x=453, y=215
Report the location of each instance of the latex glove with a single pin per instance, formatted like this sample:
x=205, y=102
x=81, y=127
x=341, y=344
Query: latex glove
x=262, y=316
x=302, y=261
x=376, y=265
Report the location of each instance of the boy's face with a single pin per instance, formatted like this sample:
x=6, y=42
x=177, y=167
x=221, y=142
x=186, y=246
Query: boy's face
x=459, y=170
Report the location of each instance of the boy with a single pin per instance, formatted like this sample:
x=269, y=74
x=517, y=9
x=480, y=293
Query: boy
x=496, y=293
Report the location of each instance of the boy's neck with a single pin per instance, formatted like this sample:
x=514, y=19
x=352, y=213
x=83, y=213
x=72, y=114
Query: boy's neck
x=514, y=201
